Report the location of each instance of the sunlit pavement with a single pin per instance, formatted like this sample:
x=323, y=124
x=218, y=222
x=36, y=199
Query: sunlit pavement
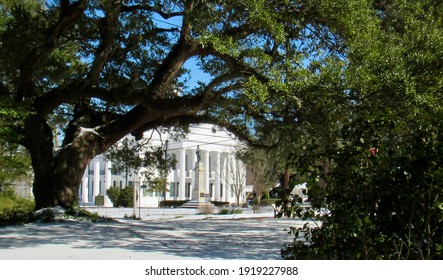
x=160, y=234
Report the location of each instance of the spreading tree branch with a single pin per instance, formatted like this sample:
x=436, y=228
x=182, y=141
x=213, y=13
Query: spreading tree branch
x=41, y=51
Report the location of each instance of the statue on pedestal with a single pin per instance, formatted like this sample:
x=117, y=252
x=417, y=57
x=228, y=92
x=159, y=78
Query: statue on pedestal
x=197, y=152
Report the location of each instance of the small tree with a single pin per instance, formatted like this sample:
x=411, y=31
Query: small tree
x=125, y=157
x=237, y=179
x=263, y=168
x=157, y=165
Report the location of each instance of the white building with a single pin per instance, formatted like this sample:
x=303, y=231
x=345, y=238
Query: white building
x=222, y=176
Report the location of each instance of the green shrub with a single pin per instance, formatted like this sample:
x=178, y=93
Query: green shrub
x=172, y=203
x=121, y=197
x=127, y=197
x=113, y=193
x=236, y=211
x=226, y=211
x=220, y=203
x=14, y=209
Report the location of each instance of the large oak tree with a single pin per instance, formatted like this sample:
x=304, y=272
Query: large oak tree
x=91, y=72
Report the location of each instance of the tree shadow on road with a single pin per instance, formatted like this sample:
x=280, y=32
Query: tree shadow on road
x=251, y=239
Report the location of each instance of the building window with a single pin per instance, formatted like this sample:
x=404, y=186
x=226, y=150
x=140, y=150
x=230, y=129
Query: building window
x=174, y=160
x=121, y=184
x=172, y=190
x=221, y=190
x=211, y=187
x=177, y=188
x=188, y=190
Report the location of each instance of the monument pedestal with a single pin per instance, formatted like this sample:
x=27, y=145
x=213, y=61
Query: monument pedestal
x=199, y=199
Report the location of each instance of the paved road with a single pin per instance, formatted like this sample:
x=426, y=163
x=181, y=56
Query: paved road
x=161, y=234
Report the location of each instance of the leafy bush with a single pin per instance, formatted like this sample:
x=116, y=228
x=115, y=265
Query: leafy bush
x=172, y=203
x=121, y=197
x=236, y=211
x=14, y=209
x=226, y=211
x=220, y=203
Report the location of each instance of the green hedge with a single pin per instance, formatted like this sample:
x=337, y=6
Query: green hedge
x=226, y=211
x=172, y=203
x=179, y=203
x=220, y=203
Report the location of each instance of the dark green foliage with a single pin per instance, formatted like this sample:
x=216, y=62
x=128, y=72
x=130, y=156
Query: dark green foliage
x=377, y=192
x=226, y=211
x=220, y=203
x=172, y=203
x=121, y=197
x=15, y=165
x=14, y=209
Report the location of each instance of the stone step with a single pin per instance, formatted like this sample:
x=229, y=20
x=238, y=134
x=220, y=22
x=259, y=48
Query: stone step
x=196, y=204
x=205, y=207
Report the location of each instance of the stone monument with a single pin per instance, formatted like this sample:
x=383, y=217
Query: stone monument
x=199, y=198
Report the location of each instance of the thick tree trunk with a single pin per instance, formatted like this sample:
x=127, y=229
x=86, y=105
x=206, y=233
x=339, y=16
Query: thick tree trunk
x=57, y=181
x=57, y=173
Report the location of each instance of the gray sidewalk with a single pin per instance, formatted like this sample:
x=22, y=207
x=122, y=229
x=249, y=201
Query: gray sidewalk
x=176, y=213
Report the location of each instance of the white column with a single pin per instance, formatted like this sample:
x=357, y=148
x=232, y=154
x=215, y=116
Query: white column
x=217, y=166
x=193, y=164
x=85, y=192
x=228, y=177
x=182, y=176
x=192, y=173
x=192, y=169
x=206, y=174
x=96, y=189
x=234, y=176
x=108, y=182
x=224, y=177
